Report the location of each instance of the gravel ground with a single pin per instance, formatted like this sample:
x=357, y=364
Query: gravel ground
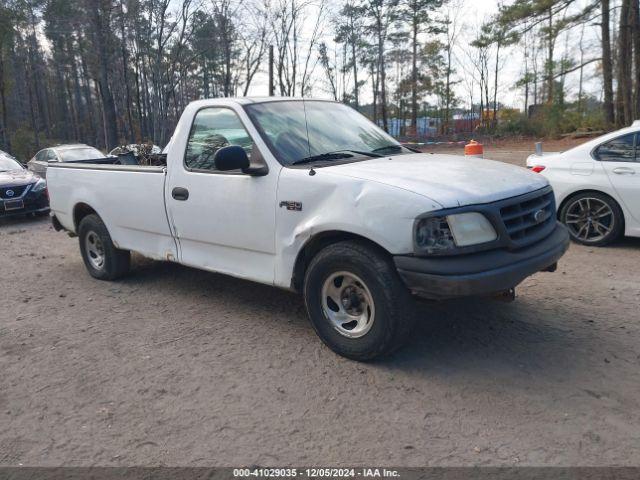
x=174, y=366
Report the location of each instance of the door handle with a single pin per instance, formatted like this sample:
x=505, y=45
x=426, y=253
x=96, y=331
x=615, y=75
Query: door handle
x=624, y=171
x=180, y=193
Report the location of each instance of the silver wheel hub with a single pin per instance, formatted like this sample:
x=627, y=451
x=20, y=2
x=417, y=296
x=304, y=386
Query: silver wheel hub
x=347, y=304
x=95, y=250
x=590, y=219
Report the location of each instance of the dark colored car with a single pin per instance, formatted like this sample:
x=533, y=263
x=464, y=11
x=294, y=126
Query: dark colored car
x=21, y=191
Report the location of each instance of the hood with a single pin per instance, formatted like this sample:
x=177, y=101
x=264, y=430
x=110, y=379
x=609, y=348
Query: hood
x=449, y=180
x=15, y=178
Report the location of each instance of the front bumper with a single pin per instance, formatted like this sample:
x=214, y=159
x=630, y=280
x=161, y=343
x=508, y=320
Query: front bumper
x=33, y=203
x=482, y=273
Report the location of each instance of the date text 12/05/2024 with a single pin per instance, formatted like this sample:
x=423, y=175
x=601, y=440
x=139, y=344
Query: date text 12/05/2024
x=316, y=472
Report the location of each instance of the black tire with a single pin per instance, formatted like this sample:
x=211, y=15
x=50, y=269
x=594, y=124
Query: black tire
x=580, y=232
x=393, y=306
x=115, y=262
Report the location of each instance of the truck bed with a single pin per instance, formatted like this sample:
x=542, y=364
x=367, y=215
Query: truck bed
x=128, y=198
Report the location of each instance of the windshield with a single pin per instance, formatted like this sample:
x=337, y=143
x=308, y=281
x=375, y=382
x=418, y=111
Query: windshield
x=75, y=154
x=296, y=130
x=7, y=163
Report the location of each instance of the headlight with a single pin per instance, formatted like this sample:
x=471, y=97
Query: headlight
x=439, y=234
x=471, y=229
x=40, y=185
x=434, y=235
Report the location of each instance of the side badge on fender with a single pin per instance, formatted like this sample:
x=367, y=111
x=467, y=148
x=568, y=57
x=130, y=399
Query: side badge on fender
x=294, y=206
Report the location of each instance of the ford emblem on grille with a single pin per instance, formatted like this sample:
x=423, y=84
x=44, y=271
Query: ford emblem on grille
x=9, y=193
x=539, y=216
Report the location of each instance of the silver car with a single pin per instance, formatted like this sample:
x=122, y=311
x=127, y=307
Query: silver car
x=62, y=153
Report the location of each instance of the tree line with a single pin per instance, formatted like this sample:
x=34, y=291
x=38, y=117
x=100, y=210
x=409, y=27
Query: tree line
x=109, y=72
x=537, y=25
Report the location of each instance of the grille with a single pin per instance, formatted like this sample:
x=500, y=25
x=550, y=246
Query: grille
x=17, y=191
x=529, y=220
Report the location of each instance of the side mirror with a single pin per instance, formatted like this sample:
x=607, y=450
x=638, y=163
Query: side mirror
x=232, y=157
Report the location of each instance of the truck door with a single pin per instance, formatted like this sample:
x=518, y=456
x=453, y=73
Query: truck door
x=223, y=221
x=620, y=158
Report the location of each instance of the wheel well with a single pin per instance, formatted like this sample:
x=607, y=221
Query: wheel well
x=80, y=211
x=317, y=243
x=599, y=192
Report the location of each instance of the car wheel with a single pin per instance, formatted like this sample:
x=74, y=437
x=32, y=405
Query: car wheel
x=103, y=260
x=356, y=301
x=592, y=218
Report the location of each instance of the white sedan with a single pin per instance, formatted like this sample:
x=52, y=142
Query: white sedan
x=597, y=186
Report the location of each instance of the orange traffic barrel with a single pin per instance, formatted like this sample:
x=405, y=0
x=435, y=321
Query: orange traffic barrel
x=473, y=149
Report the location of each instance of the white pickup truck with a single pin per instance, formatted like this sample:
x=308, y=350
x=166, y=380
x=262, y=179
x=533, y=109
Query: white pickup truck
x=309, y=195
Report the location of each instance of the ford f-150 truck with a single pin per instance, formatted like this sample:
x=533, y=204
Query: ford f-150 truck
x=311, y=196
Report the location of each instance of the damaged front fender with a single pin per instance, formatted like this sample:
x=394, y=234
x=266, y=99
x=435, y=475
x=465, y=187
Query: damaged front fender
x=333, y=203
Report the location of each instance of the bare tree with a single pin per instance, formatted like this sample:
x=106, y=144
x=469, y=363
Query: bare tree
x=329, y=69
x=450, y=26
x=293, y=61
x=624, y=99
x=350, y=32
x=255, y=39
x=381, y=14
x=417, y=14
x=607, y=64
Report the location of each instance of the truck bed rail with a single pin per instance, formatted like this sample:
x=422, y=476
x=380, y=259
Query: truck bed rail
x=109, y=167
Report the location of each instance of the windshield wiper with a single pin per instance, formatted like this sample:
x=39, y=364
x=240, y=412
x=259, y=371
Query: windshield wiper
x=337, y=155
x=387, y=147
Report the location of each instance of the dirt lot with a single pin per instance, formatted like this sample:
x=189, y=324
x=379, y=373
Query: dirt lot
x=174, y=366
x=513, y=151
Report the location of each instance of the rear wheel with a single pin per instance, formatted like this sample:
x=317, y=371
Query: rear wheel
x=356, y=301
x=592, y=218
x=103, y=260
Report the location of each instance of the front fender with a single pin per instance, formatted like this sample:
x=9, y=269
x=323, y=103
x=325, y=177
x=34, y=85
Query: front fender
x=330, y=203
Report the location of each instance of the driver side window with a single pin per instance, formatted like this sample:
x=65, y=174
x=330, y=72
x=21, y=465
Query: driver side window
x=620, y=149
x=212, y=129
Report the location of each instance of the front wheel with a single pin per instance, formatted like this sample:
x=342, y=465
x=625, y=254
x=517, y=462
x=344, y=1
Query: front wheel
x=356, y=301
x=593, y=219
x=103, y=260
